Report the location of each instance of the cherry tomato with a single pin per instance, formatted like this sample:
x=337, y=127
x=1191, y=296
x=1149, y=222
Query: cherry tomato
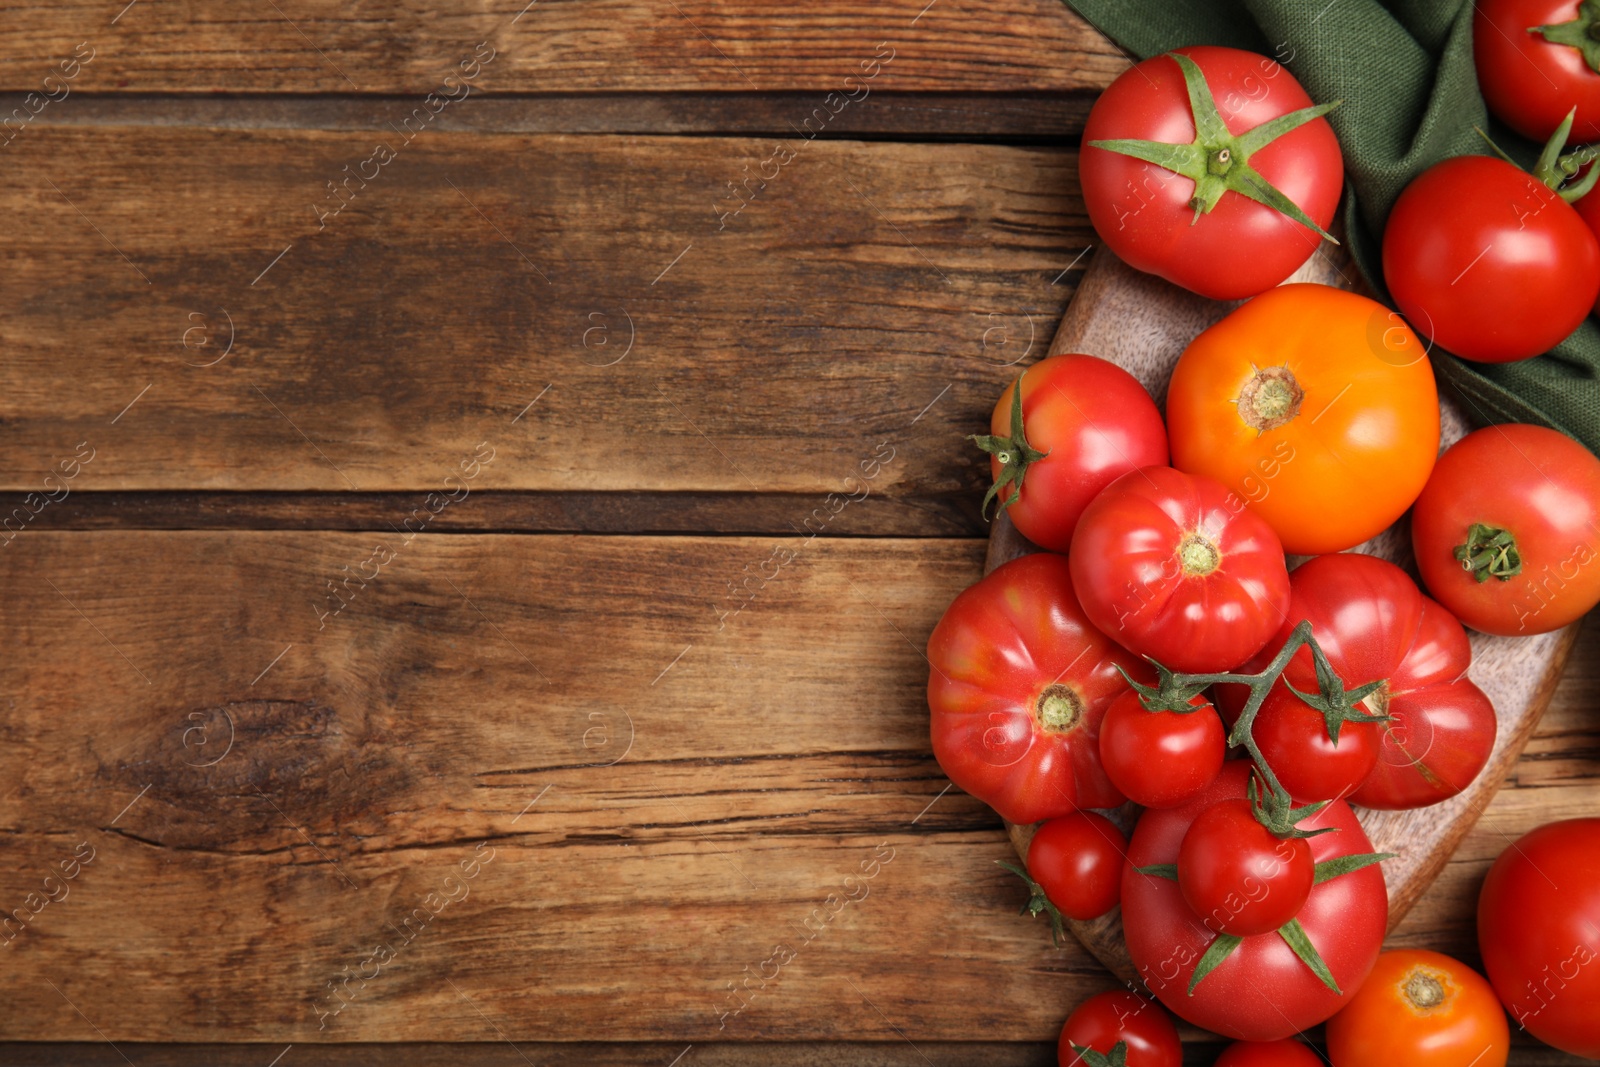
x=1316, y=406
x=1077, y=861
x=1285, y=1053
x=1105, y=1019
x=1374, y=624
x=1019, y=683
x=1089, y=422
x=1488, y=261
x=1421, y=1009
x=1529, y=81
x=1522, y=504
x=1161, y=758
x=1539, y=932
x=1237, y=876
x=1176, y=568
x=1262, y=991
x=1145, y=213
x=1294, y=739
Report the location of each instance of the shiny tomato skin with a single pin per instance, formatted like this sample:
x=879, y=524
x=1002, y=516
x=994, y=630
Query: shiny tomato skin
x=1142, y=211
x=1095, y=422
x=1544, y=489
x=1346, y=460
x=1010, y=653
x=1285, y=1053
x=1308, y=763
x=1373, y=623
x=1528, y=82
x=1077, y=861
x=1539, y=932
x=1176, y=568
x=1588, y=208
x=1262, y=992
x=1488, y=261
x=1160, y=759
x=1237, y=876
x=1107, y=1018
x=1421, y=1009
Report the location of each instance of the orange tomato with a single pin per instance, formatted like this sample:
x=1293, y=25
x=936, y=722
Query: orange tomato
x=1421, y=1009
x=1316, y=406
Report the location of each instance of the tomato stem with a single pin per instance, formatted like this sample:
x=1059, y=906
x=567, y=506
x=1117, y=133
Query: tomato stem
x=1217, y=160
x=1424, y=990
x=1274, y=809
x=1489, y=551
x=1014, y=454
x=1582, y=33
x=1117, y=1057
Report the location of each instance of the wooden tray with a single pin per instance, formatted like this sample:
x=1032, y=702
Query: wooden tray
x=1143, y=324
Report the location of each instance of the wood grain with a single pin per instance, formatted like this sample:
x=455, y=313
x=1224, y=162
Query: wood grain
x=871, y=293
x=1143, y=324
x=326, y=46
x=990, y=118
x=473, y=692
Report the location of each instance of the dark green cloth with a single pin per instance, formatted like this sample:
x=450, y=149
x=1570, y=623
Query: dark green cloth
x=1404, y=71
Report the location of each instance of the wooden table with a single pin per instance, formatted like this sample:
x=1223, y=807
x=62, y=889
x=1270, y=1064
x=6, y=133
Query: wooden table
x=469, y=555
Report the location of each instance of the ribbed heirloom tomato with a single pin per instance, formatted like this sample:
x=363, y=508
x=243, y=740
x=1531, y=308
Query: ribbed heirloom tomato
x=1316, y=406
x=1176, y=568
x=1083, y=423
x=1019, y=683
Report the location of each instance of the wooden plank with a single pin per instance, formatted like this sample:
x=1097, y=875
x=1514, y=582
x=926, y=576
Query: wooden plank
x=768, y=759
x=947, y=514
x=325, y=46
x=473, y=693
x=871, y=296
x=1011, y=117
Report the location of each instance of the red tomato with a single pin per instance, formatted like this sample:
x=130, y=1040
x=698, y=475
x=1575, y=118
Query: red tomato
x=1529, y=81
x=1522, y=503
x=1237, y=876
x=1421, y=1009
x=1091, y=420
x=1020, y=681
x=1105, y=1019
x=1489, y=261
x=1262, y=991
x=1294, y=739
x=1161, y=758
x=1077, y=861
x=1373, y=623
x=1176, y=568
x=1539, y=932
x=1285, y=1053
x=1588, y=208
x=1145, y=212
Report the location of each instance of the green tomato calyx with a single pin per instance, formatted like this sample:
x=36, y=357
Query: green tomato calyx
x=1489, y=552
x=1582, y=33
x=1217, y=160
x=1014, y=453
